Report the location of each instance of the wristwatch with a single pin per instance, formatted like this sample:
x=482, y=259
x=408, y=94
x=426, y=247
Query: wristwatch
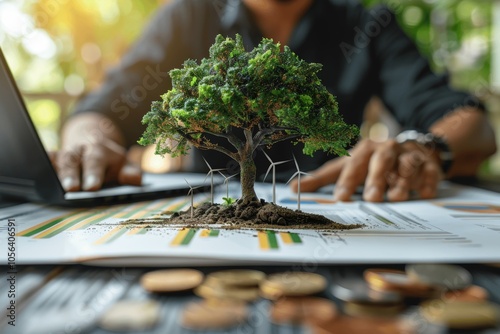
x=431, y=141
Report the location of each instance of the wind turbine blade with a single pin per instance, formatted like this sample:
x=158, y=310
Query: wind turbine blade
x=205, y=179
x=281, y=162
x=268, y=158
x=296, y=163
x=209, y=167
x=233, y=175
x=268, y=170
x=292, y=177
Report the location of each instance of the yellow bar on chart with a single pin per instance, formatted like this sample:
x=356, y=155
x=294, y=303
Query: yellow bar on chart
x=112, y=235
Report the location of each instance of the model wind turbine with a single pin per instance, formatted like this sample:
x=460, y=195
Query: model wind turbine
x=298, y=173
x=191, y=192
x=273, y=167
x=211, y=173
x=226, y=181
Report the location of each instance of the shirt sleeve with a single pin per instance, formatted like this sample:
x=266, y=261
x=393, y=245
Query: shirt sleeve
x=142, y=76
x=415, y=95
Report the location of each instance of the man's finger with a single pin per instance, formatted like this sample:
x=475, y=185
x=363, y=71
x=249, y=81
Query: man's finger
x=94, y=164
x=68, y=166
x=431, y=175
x=401, y=190
x=382, y=162
x=354, y=171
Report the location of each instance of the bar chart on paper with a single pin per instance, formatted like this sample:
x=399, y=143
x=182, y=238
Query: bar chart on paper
x=443, y=230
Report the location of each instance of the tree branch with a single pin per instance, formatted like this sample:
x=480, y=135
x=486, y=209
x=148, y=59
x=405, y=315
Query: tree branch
x=261, y=135
x=203, y=144
x=278, y=140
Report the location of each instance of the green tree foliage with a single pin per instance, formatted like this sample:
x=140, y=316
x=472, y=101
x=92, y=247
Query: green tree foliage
x=269, y=94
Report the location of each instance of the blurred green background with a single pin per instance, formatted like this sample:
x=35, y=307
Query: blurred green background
x=60, y=49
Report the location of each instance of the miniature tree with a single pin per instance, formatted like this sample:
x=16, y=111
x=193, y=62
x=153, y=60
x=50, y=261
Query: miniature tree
x=268, y=94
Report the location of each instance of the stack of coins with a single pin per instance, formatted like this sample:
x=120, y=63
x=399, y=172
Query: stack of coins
x=462, y=306
x=206, y=315
x=303, y=310
x=293, y=300
x=236, y=284
x=226, y=294
x=131, y=316
x=292, y=284
x=363, y=301
x=398, y=281
x=444, y=295
x=171, y=280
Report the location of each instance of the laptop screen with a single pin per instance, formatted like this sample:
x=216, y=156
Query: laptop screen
x=25, y=169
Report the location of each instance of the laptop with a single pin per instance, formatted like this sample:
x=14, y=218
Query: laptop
x=26, y=171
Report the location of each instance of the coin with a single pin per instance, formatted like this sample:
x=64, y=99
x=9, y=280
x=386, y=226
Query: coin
x=131, y=315
x=357, y=290
x=372, y=310
x=237, y=277
x=211, y=290
x=470, y=294
x=448, y=276
x=292, y=284
x=171, y=280
x=211, y=316
x=351, y=325
x=302, y=310
x=461, y=315
x=399, y=281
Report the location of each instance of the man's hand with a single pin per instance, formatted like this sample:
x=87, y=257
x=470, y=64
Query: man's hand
x=395, y=170
x=92, y=155
x=386, y=168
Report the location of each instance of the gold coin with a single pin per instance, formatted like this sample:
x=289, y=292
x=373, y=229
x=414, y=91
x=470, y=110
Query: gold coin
x=302, y=310
x=470, y=294
x=171, y=280
x=131, y=315
x=461, y=315
x=292, y=284
x=372, y=310
x=237, y=277
x=399, y=281
x=210, y=316
x=211, y=290
x=447, y=276
x=270, y=292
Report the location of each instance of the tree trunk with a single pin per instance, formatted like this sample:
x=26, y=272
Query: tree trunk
x=248, y=172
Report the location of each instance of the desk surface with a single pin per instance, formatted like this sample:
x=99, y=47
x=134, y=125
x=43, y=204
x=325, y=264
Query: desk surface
x=78, y=291
x=66, y=294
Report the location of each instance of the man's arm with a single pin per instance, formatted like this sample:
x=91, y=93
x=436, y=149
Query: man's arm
x=108, y=120
x=394, y=170
x=470, y=137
